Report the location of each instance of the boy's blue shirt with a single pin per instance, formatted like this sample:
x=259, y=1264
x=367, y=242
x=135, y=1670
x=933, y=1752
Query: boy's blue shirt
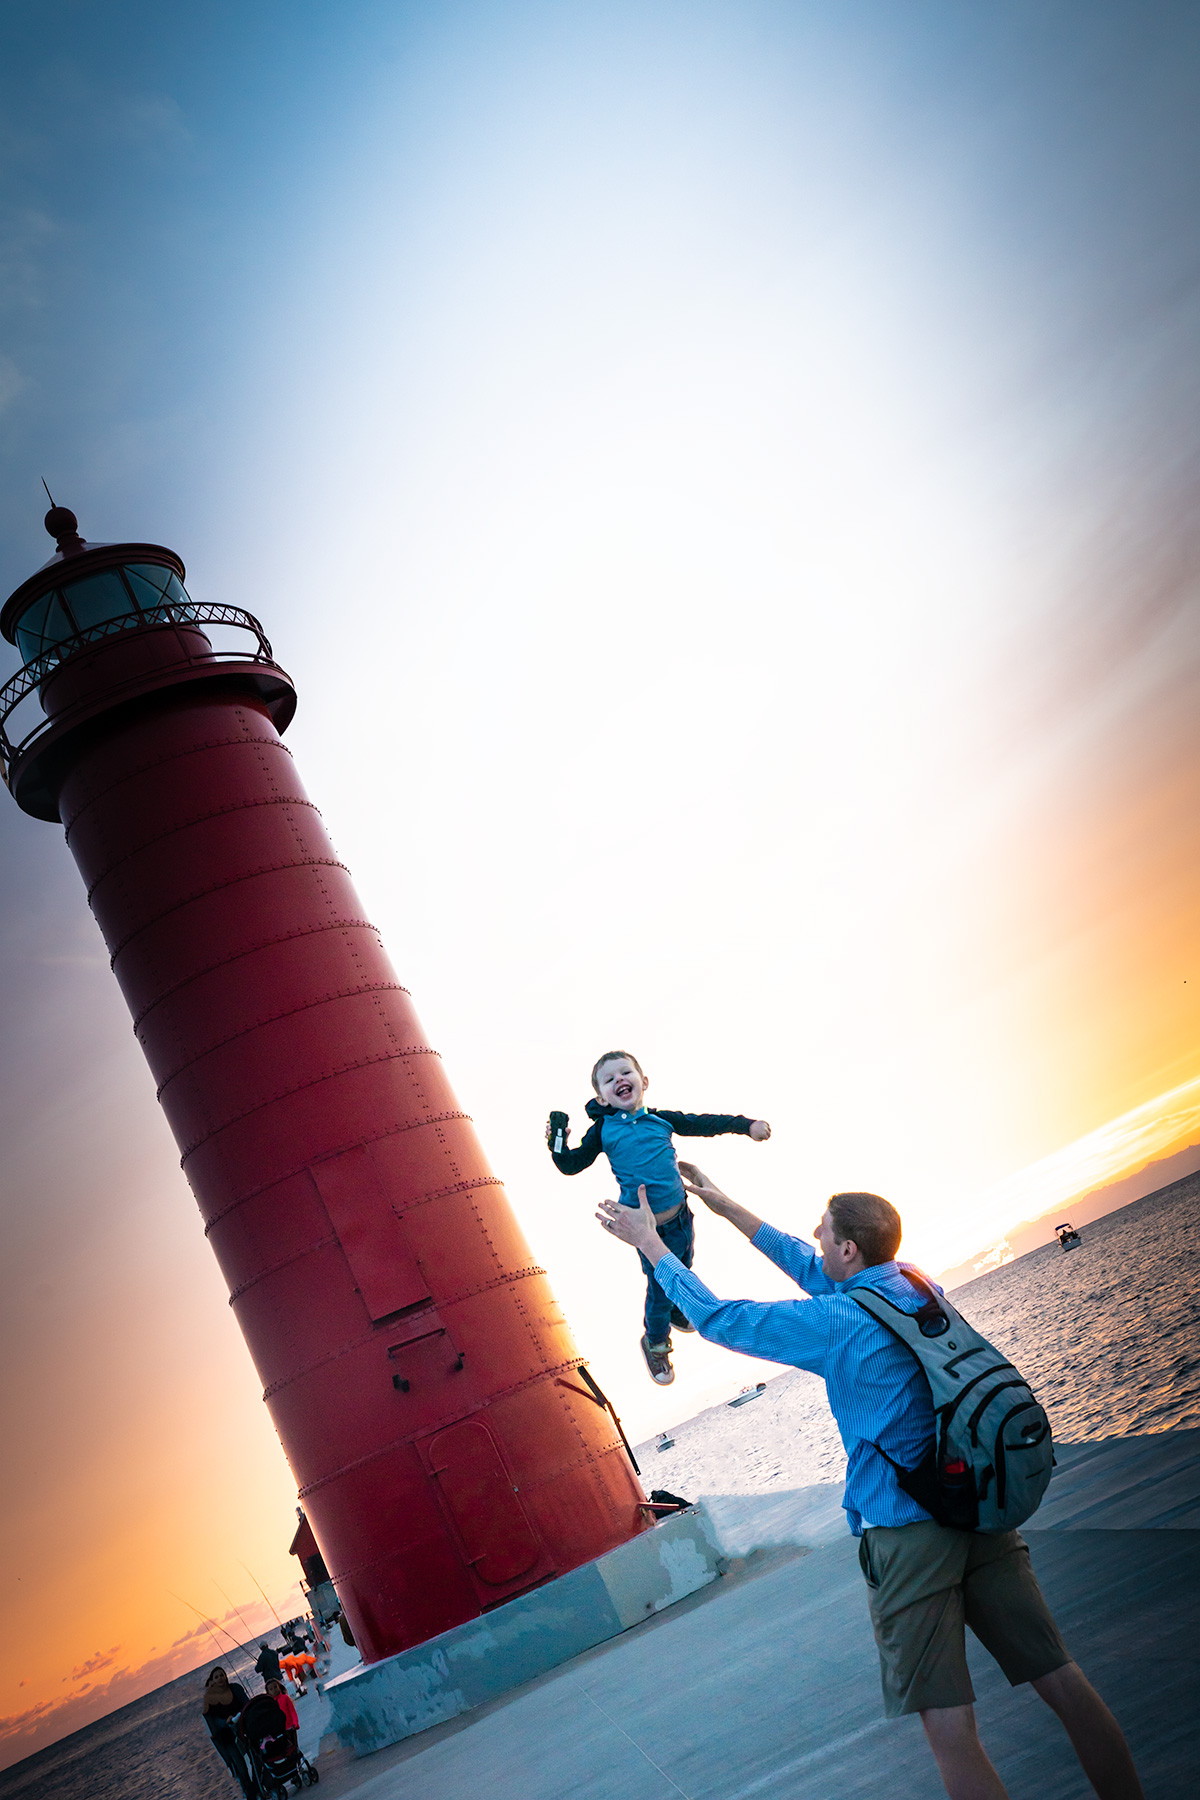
x=639, y=1148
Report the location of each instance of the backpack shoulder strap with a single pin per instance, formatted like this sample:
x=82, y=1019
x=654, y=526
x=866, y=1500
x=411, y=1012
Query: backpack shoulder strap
x=931, y=1318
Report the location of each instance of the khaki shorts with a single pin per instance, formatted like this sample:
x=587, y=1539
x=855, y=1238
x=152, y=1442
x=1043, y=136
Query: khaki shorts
x=925, y=1583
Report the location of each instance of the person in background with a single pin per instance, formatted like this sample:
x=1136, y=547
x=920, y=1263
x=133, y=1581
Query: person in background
x=223, y=1702
x=279, y=1693
x=321, y=1646
x=268, y=1663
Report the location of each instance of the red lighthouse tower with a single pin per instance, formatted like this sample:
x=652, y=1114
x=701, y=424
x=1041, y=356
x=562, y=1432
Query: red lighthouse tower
x=447, y=1445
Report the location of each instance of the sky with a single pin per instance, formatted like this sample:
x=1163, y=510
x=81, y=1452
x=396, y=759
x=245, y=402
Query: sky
x=722, y=477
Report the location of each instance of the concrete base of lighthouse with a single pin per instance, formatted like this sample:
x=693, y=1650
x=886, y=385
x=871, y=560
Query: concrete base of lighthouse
x=386, y=1701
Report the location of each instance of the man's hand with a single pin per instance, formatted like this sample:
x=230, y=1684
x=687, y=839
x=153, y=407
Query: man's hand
x=697, y=1182
x=760, y=1131
x=637, y=1227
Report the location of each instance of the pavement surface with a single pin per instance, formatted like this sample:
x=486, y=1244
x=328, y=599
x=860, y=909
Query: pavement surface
x=766, y=1683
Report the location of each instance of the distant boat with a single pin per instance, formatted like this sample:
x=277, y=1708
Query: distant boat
x=665, y=1443
x=747, y=1393
x=1068, y=1237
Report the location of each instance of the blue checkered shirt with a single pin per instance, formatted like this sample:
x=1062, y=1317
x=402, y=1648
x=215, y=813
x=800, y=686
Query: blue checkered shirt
x=877, y=1392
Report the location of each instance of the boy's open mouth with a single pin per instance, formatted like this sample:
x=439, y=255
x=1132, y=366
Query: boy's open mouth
x=623, y=1090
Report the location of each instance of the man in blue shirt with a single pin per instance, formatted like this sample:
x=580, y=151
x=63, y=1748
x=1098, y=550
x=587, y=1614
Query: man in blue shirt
x=925, y=1581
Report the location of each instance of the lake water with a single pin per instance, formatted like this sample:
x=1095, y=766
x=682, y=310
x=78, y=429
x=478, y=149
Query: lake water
x=156, y=1748
x=1108, y=1336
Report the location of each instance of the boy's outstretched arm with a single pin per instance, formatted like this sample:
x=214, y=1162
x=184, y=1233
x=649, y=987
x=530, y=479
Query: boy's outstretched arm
x=714, y=1124
x=697, y=1182
x=573, y=1161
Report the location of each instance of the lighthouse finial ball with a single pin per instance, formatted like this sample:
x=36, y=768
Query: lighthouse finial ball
x=62, y=524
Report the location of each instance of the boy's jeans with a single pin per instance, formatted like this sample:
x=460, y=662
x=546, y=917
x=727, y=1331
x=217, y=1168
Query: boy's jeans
x=679, y=1235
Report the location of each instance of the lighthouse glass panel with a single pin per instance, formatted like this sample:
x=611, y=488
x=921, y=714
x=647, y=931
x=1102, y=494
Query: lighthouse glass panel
x=101, y=599
x=41, y=626
x=155, y=586
x=148, y=581
x=98, y=599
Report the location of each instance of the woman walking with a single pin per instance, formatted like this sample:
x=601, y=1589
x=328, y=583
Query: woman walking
x=223, y=1701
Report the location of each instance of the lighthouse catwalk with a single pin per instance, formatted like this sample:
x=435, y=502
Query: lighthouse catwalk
x=422, y=1379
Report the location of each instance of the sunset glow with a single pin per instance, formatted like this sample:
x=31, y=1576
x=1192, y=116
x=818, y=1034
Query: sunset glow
x=720, y=479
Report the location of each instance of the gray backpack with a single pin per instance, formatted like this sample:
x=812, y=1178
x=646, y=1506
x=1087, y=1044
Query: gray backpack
x=992, y=1454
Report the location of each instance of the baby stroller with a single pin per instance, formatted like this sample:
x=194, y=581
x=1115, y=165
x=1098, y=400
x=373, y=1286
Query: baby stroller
x=268, y=1743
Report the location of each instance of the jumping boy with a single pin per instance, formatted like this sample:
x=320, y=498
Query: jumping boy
x=637, y=1142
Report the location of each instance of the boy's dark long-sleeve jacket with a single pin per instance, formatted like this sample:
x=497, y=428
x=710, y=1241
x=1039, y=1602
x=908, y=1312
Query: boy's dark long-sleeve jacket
x=638, y=1145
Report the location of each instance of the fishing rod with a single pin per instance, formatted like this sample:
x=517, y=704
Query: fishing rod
x=262, y=1590
x=237, y=1609
x=208, y=1626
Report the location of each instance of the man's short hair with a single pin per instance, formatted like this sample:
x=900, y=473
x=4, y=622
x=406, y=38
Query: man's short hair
x=611, y=1056
x=869, y=1221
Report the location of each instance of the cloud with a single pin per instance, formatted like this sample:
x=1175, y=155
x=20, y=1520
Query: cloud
x=49, y=1720
x=11, y=382
x=24, y=1732
x=197, y=1631
x=996, y=1257
x=100, y=1660
x=26, y=235
x=1115, y=1149
x=153, y=120
x=11, y=1724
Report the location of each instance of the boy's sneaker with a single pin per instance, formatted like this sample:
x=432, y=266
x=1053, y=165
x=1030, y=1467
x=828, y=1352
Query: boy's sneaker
x=679, y=1322
x=658, y=1361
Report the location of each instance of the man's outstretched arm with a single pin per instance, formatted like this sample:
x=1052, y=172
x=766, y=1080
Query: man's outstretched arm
x=785, y=1331
x=797, y=1259
x=697, y=1182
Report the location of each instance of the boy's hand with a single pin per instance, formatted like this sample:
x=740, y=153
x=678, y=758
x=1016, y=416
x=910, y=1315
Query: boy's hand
x=760, y=1131
x=557, y=1131
x=637, y=1227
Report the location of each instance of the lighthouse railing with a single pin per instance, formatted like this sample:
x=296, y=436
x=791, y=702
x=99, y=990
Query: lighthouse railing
x=192, y=612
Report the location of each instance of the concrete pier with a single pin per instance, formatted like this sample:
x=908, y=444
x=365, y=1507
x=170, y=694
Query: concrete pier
x=764, y=1685
x=462, y=1669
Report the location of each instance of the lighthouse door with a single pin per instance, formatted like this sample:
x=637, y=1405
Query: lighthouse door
x=386, y=1273
x=498, y=1540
